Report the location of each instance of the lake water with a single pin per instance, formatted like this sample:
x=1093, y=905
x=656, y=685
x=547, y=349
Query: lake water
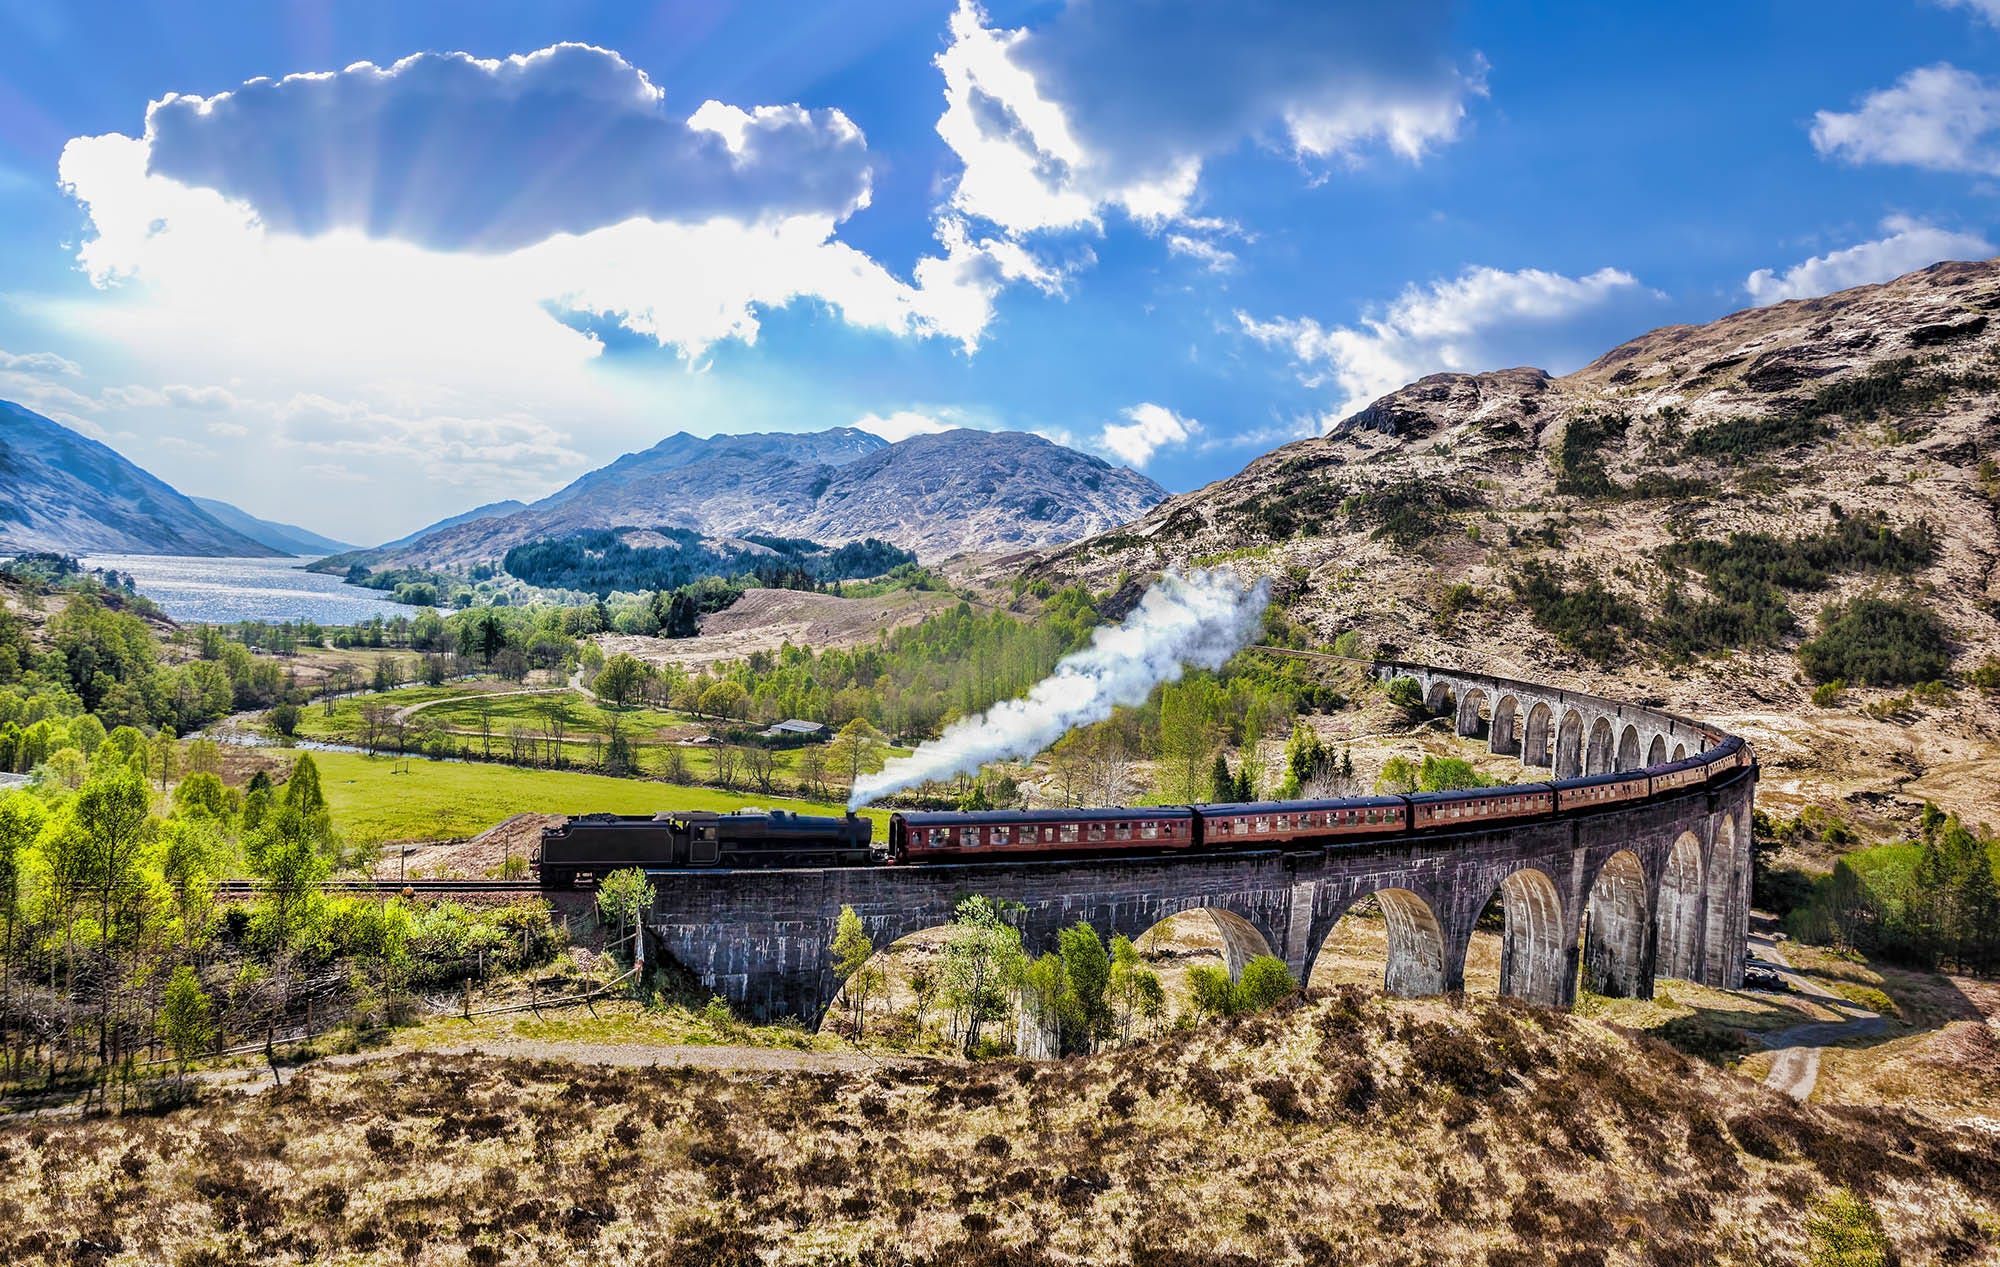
x=218, y=591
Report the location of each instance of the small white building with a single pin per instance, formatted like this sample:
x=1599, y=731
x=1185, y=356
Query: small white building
x=793, y=728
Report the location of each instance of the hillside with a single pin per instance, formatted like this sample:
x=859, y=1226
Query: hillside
x=1579, y=529
x=284, y=538
x=938, y=495
x=65, y=492
x=1346, y=1130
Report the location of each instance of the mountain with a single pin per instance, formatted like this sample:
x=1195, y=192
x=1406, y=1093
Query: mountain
x=65, y=492
x=284, y=538
x=1675, y=521
x=491, y=510
x=938, y=495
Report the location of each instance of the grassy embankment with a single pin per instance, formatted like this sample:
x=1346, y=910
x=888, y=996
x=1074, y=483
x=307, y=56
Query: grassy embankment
x=1346, y=1130
x=380, y=798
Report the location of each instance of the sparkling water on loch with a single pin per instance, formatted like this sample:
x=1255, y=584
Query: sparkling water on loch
x=219, y=591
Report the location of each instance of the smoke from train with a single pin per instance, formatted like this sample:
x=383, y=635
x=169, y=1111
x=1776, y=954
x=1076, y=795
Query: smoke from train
x=1197, y=619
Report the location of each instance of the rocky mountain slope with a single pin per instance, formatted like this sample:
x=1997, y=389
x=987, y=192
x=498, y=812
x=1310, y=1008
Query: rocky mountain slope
x=284, y=538
x=65, y=492
x=491, y=510
x=1579, y=529
x=939, y=495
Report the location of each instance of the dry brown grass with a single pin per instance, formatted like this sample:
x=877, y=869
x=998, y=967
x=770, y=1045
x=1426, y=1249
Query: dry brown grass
x=1348, y=1129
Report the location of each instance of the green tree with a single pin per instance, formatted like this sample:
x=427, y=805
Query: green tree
x=1188, y=715
x=1209, y=991
x=1266, y=981
x=982, y=961
x=1306, y=761
x=923, y=982
x=21, y=821
x=1088, y=969
x=184, y=1019
x=1399, y=776
x=852, y=950
x=114, y=812
x=855, y=751
x=725, y=699
x=1221, y=784
x=623, y=896
x=284, y=718
x=1405, y=694
x=621, y=679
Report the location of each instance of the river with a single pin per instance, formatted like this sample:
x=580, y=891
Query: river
x=220, y=591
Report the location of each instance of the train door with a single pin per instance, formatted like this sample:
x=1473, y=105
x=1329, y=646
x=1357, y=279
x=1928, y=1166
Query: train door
x=704, y=852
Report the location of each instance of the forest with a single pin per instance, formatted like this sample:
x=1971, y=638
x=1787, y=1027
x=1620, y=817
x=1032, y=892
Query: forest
x=601, y=562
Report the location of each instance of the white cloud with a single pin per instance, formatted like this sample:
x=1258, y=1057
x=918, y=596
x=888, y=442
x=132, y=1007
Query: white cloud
x=38, y=363
x=1201, y=251
x=1152, y=428
x=1937, y=117
x=228, y=430
x=901, y=425
x=208, y=398
x=1479, y=320
x=1987, y=10
x=1120, y=106
x=1909, y=244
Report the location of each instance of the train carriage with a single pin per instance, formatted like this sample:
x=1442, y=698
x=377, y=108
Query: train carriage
x=1470, y=807
x=916, y=836
x=1253, y=823
x=1599, y=790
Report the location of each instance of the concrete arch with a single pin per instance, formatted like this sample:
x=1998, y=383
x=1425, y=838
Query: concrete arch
x=1413, y=961
x=1569, y=746
x=892, y=959
x=1616, y=931
x=1680, y=752
x=1440, y=699
x=1628, y=749
x=1656, y=754
x=1598, y=752
x=1537, y=944
x=1726, y=898
x=1677, y=917
x=1241, y=942
x=1472, y=703
x=1537, y=735
x=1505, y=736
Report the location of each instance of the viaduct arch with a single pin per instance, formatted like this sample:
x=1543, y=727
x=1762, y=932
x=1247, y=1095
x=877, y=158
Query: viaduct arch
x=1642, y=888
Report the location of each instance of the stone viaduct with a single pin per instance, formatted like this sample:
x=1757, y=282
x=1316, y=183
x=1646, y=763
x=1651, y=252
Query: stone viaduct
x=1640, y=889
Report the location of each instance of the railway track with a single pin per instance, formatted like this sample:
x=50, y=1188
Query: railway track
x=396, y=886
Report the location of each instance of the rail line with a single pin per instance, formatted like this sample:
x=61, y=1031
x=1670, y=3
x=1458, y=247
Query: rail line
x=395, y=886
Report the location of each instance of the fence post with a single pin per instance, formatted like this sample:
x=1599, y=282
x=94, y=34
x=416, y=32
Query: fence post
x=468, y=999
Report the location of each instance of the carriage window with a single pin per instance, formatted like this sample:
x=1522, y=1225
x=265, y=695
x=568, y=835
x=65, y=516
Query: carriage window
x=1284, y=822
x=940, y=836
x=1048, y=833
x=1067, y=832
x=1263, y=825
x=1149, y=831
x=1122, y=832
x=1222, y=827
x=1096, y=831
x=999, y=836
x=1243, y=827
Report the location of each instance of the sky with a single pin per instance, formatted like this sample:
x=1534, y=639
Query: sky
x=359, y=266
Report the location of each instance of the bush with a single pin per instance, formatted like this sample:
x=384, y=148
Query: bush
x=1827, y=694
x=1266, y=982
x=1882, y=642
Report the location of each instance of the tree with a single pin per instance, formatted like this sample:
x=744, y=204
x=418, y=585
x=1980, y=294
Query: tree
x=674, y=765
x=1135, y=991
x=184, y=1019
x=725, y=758
x=763, y=765
x=852, y=949
x=189, y=859
x=1266, y=982
x=1210, y=992
x=1188, y=712
x=621, y=678
x=164, y=758
x=376, y=717
x=725, y=699
x=1088, y=969
x=623, y=897
x=812, y=770
x=1405, y=694
x=1221, y=784
x=1399, y=776
x=855, y=751
x=115, y=814
x=923, y=981
x=982, y=960
x=1306, y=760
x=284, y=718
x=21, y=821
x=1046, y=999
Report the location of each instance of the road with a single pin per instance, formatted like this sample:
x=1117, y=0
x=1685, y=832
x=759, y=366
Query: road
x=1795, y=1071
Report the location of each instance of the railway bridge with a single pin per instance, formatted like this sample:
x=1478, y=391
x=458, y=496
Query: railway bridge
x=1639, y=889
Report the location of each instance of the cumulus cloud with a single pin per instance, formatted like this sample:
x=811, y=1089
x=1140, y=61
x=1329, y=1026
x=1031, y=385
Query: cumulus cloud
x=182, y=396
x=1937, y=117
x=459, y=450
x=1202, y=251
x=901, y=425
x=1988, y=10
x=1152, y=428
x=1482, y=319
x=1908, y=244
x=38, y=363
x=1120, y=105
x=451, y=151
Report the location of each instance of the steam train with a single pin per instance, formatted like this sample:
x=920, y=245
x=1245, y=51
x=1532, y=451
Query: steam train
x=586, y=848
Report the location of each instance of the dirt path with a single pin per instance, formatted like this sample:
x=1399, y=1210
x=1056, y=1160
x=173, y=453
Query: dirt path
x=575, y=684
x=1795, y=1069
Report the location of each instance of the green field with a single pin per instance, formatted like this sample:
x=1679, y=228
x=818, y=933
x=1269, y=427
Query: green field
x=442, y=800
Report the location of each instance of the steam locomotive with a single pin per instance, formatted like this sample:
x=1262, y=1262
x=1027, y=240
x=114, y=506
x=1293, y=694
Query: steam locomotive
x=586, y=848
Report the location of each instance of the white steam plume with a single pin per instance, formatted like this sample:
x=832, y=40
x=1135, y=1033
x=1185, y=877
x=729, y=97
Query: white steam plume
x=1200, y=619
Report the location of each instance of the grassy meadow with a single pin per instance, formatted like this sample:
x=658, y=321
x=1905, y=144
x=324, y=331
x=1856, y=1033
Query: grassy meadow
x=385, y=798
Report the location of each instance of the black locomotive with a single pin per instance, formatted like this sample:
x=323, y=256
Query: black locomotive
x=589, y=846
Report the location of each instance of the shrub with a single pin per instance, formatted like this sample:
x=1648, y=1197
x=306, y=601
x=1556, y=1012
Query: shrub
x=1587, y=618
x=1882, y=642
x=1266, y=982
x=1987, y=676
x=1827, y=694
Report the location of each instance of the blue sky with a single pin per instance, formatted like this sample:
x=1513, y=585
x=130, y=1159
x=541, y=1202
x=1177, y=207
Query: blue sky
x=468, y=251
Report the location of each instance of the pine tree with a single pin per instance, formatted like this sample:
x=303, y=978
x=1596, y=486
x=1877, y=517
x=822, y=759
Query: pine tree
x=1222, y=783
